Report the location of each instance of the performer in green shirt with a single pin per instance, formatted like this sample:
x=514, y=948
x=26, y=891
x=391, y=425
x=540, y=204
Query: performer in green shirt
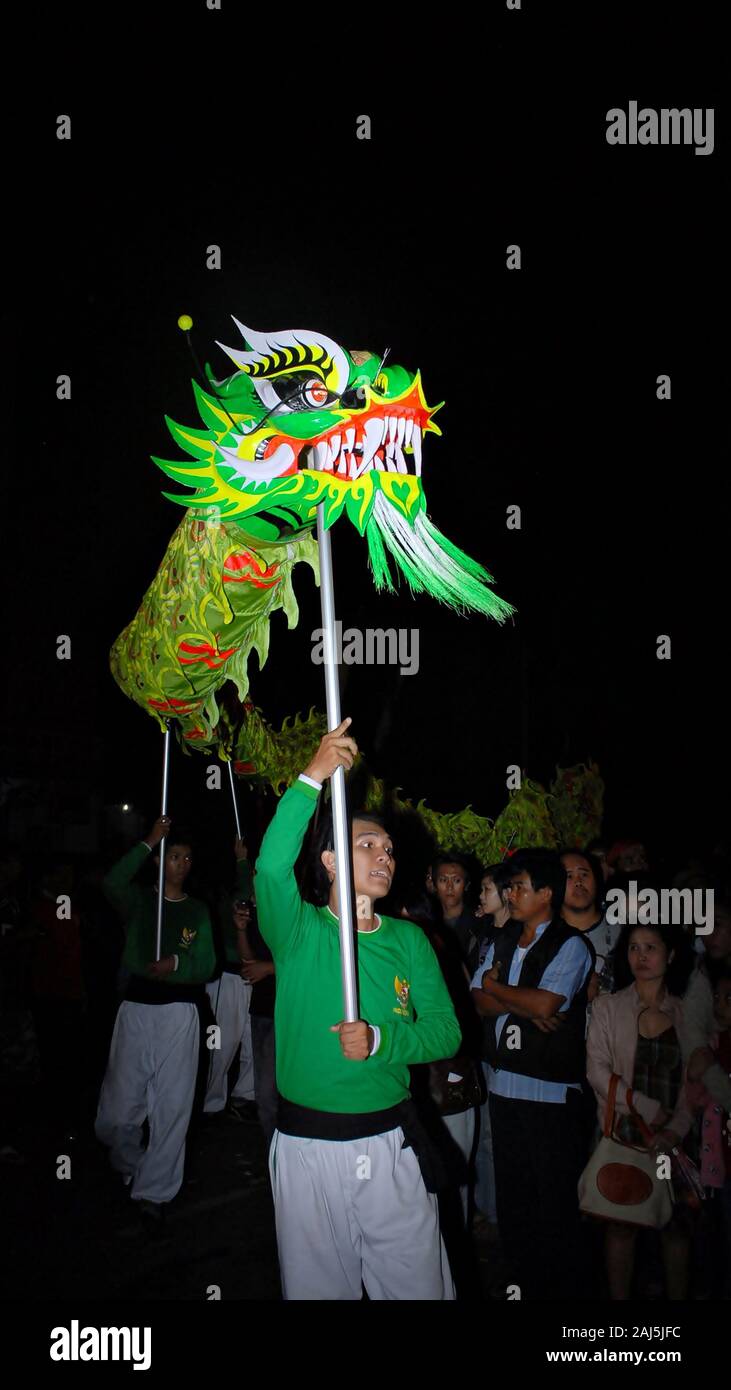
x=351, y=1205
x=153, y=1056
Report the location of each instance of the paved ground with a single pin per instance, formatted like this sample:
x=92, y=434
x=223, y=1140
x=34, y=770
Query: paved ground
x=81, y=1237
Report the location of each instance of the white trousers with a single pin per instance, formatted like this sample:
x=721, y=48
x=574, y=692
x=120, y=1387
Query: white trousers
x=352, y=1214
x=153, y=1061
x=230, y=999
x=462, y=1129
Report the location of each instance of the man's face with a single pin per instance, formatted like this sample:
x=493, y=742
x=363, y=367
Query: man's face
x=450, y=885
x=718, y=942
x=373, y=861
x=580, y=888
x=525, y=901
x=178, y=860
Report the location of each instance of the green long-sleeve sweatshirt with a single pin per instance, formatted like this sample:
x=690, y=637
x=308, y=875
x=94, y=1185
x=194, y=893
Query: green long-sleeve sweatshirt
x=186, y=931
x=398, y=975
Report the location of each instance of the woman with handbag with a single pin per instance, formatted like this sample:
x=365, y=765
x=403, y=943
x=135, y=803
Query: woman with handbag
x=635, y=1067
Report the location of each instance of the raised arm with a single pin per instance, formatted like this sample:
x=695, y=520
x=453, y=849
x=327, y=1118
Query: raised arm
x=281, y=910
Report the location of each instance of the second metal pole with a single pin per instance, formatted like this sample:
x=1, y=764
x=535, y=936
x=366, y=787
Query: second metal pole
x=233, y=797
x=163, y=812
x=341, y=828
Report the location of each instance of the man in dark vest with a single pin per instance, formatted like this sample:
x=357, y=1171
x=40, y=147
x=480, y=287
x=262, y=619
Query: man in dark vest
x=532, y=992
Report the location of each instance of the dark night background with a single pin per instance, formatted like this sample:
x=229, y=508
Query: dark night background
x=548, y=374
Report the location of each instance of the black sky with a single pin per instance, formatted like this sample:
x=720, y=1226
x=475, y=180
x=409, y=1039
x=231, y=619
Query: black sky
x=549, y=377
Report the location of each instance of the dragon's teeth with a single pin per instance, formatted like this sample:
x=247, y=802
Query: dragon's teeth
x=390, y=458
x=400, y=430
x=391, y=420
x=322, y=455
x=400, y=460
x=408, y=432
x=350, y=440
x=416, y=445
x=372, y=438
x=343, y=465
x=333, y=449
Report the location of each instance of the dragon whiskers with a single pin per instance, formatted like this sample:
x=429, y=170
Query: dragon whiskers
x=429, y=561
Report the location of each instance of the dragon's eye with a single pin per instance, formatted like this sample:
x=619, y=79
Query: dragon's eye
x=315, y=393
x=298, y=392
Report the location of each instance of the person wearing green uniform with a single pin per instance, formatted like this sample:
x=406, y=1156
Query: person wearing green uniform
x=351, y=1205
x=153, y=1057
x=230, y=997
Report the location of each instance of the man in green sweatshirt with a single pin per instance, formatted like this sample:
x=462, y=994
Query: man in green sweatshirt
x=153, y=1057
x=351, y=1205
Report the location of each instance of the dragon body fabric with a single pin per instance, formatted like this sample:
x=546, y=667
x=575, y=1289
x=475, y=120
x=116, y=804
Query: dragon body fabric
x=301, y=422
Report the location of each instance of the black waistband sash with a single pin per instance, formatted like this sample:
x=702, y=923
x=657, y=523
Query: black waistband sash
x=141, y=991
x=304, y=1123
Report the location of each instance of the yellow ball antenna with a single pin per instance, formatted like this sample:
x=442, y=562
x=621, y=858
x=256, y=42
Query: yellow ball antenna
x=185, y=323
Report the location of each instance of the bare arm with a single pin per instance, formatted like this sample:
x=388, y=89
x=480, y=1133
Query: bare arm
x=486, y=1007
x=514, y=999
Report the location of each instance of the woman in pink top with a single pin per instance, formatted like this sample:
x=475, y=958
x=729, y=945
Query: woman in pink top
x=635, y=1034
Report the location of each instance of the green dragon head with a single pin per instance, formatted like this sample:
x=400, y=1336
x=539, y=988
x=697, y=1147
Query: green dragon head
x=303, y=422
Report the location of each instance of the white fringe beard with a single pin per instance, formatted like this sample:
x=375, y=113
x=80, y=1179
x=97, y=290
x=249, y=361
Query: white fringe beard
x=425, y=558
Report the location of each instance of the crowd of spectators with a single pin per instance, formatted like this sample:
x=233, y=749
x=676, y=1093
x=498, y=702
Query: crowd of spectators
x=560, y=1001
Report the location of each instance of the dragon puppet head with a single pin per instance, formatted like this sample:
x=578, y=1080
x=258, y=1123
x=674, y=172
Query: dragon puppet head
x=302, y=422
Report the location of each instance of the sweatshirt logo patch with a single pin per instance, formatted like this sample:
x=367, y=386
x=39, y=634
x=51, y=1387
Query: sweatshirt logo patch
x=187, y=937
x=402, y=988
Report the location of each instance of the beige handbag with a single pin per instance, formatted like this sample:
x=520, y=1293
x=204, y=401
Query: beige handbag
x=620, y=1182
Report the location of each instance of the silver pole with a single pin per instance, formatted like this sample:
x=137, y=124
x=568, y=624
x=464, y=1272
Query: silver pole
x=163, y=812
x=233, y=797
x=343, y=870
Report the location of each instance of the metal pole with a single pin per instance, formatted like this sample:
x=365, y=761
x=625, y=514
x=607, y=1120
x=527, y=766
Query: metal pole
x=163, y=812
x=341, y=828
x=233, y=797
